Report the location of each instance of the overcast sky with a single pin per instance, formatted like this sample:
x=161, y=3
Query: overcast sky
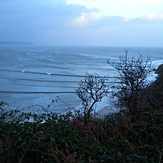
x=83, y=22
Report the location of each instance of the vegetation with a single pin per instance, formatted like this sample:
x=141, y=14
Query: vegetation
x=124, y=137
x=132, y=80
x=91, y=91
x=56, y=138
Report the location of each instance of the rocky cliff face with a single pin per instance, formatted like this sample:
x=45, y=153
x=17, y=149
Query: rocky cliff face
x=154, y=94
x=159, y=70
x=158, y=84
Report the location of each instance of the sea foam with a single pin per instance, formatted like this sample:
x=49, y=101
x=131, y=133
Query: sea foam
x=106, y=105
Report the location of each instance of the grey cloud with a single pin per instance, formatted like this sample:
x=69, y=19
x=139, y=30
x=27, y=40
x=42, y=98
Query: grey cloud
x=117, y=30
x=49, y=22
x=107, y=21
x=29, y=19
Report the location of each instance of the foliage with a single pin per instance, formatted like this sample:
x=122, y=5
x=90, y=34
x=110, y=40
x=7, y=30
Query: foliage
x=74, y=138
x=53, y=138
x=132, y=80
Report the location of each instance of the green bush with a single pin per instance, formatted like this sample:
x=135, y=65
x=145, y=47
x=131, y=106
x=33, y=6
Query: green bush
x=53, y=138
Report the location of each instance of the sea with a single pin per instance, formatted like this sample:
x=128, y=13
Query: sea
x=36, y=78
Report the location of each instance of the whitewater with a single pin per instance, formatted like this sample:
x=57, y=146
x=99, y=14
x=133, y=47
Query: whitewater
x=37, y=75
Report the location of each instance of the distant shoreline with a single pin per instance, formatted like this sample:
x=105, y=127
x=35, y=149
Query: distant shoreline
x=15, y=43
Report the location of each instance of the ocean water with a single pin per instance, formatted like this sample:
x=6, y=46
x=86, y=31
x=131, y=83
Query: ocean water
x=32, y=76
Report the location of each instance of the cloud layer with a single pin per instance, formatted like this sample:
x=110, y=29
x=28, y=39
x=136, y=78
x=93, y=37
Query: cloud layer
x=139, y=1
x=58, y=23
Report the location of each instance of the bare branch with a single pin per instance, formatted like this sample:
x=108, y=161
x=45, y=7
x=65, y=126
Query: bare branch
x=91, y=91
x=132, y=75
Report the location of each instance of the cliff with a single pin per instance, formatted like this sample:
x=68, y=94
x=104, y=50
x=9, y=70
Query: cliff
x=158, y=84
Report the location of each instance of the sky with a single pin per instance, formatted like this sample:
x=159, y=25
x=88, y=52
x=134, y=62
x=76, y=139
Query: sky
x=83, y=22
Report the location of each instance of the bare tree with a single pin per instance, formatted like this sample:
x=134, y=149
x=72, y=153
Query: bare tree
x=132, y=79
x=91, y=91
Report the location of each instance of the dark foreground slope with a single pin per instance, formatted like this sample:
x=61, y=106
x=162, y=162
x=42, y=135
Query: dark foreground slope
x=52, y=138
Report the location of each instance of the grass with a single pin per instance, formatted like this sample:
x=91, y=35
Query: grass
x=54, y=138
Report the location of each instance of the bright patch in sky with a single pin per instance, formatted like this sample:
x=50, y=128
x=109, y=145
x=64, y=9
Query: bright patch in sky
x=152, y=17
x=139, y=1
x=83, y=22
x=125, y=8
x=85, y=18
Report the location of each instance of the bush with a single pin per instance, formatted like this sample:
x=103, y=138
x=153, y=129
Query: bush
x=52, y=138
x=132, y=80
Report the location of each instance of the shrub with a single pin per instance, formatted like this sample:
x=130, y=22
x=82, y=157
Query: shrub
x=55, y=138
x=91, y=91
x=132, y=80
